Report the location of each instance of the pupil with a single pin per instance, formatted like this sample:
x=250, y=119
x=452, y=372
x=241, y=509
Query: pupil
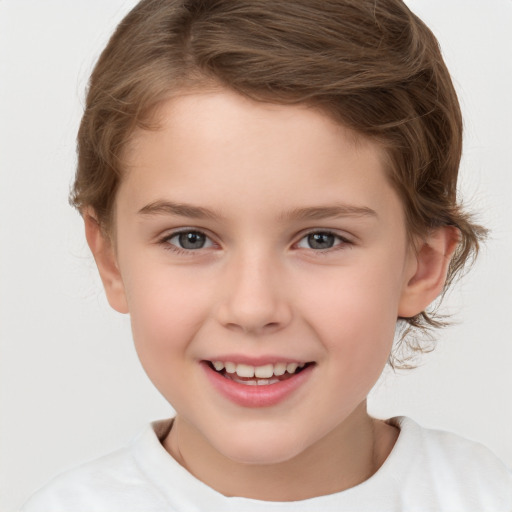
x=321, y=240
x=192, y=240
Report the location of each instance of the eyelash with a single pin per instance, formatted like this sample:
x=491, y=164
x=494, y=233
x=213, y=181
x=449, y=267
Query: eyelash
x=165, y=241
x=340, y=241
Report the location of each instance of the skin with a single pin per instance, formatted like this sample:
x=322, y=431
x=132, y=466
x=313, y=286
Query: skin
x=269, y=176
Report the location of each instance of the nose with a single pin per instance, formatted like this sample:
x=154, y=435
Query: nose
x=254, y=298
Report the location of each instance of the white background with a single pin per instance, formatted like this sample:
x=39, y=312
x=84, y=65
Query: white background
x=71, y=386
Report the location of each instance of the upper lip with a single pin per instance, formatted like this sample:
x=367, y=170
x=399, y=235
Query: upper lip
x=255, y=361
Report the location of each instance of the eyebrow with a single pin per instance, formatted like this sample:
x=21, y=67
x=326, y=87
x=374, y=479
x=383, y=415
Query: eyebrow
x=308, y=213
x=181, y=209
x=330, y=212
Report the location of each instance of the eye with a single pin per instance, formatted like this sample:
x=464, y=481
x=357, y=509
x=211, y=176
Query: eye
x=321, y=240
x=189, y=240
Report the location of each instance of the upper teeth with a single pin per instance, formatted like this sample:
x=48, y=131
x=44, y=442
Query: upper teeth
x=262, y=372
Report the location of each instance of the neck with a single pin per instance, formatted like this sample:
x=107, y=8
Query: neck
x=344, y=458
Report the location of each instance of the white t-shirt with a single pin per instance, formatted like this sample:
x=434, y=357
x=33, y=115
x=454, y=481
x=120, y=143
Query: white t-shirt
x=427, y=471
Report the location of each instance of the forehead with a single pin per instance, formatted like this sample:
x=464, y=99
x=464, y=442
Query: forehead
x=218, y=144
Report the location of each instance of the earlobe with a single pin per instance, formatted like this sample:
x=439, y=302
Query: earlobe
x=429, y=270
x=104, y=254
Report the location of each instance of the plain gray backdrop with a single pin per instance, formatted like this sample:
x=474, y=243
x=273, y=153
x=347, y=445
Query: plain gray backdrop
x=71, y=386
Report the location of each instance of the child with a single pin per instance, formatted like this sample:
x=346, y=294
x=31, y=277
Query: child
x=267, y=188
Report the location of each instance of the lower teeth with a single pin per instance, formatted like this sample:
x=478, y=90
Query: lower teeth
x=254, y=382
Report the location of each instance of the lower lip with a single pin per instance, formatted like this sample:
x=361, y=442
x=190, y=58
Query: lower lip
x=257, y=396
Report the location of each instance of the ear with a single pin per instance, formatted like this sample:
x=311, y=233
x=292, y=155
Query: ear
x=429, y=267
x=104, y=254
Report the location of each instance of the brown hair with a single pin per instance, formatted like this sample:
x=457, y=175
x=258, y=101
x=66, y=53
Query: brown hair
x=370, y=64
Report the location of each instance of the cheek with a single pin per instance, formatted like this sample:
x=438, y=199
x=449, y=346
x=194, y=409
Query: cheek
x=358, y=336
x=355, y=316
x=166, y=312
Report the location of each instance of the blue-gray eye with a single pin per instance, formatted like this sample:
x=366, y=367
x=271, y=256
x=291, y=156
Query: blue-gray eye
x=190, y=240
x=320, y=240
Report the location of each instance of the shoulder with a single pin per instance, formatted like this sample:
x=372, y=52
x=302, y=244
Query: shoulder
x=450, y=450
x=114, y=482
x=454, y=467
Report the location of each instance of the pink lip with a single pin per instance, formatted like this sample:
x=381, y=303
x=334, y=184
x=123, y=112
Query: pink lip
x=256, y=396
x=254, y=361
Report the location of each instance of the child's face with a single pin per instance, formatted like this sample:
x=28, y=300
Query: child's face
x=296, y=253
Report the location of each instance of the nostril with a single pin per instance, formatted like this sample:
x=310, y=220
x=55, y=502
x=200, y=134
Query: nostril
x=248, y=311
x=253, y=327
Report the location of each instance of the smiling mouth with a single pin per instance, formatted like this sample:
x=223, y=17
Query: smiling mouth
x=257, y=375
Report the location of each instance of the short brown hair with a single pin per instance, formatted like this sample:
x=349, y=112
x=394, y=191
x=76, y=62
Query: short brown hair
x=370, y=64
